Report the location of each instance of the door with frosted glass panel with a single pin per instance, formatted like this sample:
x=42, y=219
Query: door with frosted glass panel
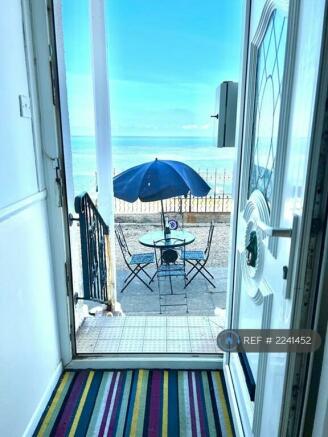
x=263, y=250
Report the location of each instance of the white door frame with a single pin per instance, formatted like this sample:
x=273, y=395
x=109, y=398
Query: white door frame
x=234, y=213
x=311, y=304
x=62, y=89
x=235, y=207
x=45, y=102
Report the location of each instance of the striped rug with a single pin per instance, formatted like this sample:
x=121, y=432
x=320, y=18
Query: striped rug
x=138, y=403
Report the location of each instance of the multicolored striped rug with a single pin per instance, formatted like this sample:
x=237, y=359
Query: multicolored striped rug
x=138, y=403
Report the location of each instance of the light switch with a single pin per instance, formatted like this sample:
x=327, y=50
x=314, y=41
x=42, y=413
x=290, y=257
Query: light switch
x=25, y=106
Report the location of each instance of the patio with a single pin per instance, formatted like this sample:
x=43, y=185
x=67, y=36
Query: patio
x=141, y=328
x=202, y=298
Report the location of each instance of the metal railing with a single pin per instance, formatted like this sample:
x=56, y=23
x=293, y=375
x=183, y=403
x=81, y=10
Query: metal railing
x=219, y=199
x=94, y=246
x=217, y=203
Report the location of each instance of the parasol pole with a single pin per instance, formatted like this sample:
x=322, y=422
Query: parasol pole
x=163, y=218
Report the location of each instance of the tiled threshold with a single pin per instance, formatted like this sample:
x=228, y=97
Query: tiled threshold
x=149, y=334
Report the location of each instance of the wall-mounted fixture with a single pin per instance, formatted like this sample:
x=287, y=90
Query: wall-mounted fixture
x=228, y=93
x=24, y=106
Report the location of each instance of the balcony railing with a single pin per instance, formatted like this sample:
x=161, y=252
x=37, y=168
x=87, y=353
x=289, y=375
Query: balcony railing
x=219, y=199
x=94, y=234
x=216, y=203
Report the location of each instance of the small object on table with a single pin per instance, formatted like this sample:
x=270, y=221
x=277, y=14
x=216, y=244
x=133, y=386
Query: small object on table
x=173, y=224
x=167, y=230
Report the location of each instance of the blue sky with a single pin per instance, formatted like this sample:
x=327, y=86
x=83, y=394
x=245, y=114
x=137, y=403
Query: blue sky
x=166, y=59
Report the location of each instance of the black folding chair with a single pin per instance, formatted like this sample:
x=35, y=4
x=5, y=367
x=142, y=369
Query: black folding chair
x=198, y=259
x=169, y=265
x=136, y=263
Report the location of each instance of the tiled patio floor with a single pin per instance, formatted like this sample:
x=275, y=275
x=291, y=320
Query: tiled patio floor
x=202, y=298
x=142, y=329
x=150, y=334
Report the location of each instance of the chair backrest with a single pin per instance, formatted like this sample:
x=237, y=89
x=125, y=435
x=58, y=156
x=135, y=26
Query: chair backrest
x=122, y=242
x=209, y=240
x=120, y=231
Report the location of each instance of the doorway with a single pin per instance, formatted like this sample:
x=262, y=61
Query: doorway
x=148, y=320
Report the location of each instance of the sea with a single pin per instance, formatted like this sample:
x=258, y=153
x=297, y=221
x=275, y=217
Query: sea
x=200, y=153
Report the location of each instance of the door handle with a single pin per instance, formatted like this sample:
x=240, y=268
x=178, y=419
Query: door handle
x=275, y=232
x=285, y=233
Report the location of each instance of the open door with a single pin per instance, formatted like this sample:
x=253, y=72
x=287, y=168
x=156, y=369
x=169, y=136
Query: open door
x=271, y=179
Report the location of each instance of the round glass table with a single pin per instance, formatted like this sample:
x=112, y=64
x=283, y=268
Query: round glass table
x=174, y=239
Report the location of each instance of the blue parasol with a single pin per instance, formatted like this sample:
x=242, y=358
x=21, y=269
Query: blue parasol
x=159, y=180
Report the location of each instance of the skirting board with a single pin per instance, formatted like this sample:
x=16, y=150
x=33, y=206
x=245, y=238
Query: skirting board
x=43, y=402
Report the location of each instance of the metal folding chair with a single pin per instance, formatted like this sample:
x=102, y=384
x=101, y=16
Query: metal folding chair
x=198, y=259
x=136, y=263
x=169, y=265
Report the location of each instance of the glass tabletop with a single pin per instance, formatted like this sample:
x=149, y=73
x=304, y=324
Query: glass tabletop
x=175, y=239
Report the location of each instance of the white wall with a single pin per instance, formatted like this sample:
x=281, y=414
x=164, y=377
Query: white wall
x=16, y=141
x=29, y=351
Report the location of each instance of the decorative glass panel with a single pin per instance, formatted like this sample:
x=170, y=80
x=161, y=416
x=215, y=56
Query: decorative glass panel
x=270, y=67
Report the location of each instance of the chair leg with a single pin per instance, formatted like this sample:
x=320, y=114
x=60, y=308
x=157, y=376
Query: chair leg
x=128, y=277
x=137, y=269
x=199, y=270
x=209, y=273
x=159, y=292
x=153, y=277
x=135, y=274
x=171, y=284
x=128, y=282
x=144, y=282
x=186, y=296
x=144, y=271
x=193, y=267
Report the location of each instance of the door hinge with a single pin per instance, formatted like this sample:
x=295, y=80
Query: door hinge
x=316, y=226
x=52, y=59
x=68, y=279
x=53, y=84
x=59, y=181
x=53, y=75
x=295, y=390
x=71, y=337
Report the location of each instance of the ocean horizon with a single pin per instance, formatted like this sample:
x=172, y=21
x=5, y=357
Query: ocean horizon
x=200, y=153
